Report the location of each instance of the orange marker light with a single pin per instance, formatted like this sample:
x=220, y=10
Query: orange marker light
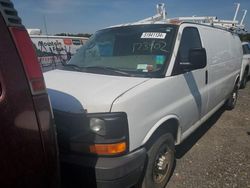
x=175, y=21
x=108, y=149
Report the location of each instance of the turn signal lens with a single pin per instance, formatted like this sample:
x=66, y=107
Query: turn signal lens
x=108, y=149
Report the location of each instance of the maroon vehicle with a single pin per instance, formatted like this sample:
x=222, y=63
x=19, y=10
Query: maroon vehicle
x=28, y=152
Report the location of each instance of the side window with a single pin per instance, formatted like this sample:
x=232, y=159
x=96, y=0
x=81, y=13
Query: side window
x=190, y=40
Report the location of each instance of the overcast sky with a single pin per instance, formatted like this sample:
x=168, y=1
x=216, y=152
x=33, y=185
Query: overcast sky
x=87, y=16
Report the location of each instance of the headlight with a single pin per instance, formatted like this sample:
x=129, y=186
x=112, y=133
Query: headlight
x=97, y=126
x=101, y=134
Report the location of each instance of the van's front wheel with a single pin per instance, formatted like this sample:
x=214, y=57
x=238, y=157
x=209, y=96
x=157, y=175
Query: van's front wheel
x=160, y=162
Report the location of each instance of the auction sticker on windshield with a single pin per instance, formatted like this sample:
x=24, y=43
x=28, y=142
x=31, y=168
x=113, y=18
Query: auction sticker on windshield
x=153, y=35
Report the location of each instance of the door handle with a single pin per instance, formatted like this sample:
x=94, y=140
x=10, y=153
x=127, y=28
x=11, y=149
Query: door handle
x=206, y=77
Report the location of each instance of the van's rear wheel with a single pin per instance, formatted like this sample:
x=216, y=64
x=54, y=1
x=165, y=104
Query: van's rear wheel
x=231, y=102
x=160, y=162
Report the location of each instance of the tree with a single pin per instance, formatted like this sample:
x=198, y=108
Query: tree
x=245, y=37
x=74, y=35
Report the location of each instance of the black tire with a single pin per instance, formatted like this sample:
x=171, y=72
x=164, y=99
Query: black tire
x=244, y=80
x=231, y=102
x=161, y=157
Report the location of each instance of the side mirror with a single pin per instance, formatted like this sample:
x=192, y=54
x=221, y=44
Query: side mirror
x=197, y=60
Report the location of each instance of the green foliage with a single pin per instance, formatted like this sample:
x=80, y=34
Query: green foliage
x=74, y=35
x=245, y=37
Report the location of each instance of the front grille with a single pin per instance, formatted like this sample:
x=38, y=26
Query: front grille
x=68, y=127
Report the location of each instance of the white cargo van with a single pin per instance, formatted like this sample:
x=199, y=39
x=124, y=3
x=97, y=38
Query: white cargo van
x=133, y=92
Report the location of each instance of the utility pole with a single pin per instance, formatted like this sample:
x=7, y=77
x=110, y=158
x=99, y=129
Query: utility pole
x=45, y=25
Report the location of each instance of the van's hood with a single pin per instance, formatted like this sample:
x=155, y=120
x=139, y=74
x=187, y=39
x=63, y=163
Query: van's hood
x=75, y=92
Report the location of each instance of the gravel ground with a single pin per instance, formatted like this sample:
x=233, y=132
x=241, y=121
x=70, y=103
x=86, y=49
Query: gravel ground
x=217, y=155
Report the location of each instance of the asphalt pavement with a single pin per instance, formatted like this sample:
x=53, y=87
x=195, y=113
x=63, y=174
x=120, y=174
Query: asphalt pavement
x=217, y=155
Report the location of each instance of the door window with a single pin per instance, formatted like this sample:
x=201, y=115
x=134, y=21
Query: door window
x=190, y=40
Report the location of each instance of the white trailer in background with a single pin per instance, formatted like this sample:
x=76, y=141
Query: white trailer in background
x=52, y=50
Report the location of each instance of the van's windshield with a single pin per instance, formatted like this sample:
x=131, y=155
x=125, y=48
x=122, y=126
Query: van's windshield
x=139, y=50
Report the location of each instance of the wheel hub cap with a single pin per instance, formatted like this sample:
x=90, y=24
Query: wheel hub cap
x=161, y=167
x=162, y=162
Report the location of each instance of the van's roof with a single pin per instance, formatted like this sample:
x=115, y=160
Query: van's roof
x=144, y=23
x=168, y=22
x=232, y=26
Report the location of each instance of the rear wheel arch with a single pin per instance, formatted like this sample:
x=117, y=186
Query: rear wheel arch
x=237, y=81
x=231, y=101
x=246, y=70
x=244, y=77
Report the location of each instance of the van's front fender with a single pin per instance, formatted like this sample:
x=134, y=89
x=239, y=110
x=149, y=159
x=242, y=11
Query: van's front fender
x=162, y=122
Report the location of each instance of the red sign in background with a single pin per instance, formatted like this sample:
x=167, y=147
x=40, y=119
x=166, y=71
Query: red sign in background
x=67, y=41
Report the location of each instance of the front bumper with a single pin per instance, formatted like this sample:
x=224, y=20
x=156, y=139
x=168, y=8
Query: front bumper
x=113, y=172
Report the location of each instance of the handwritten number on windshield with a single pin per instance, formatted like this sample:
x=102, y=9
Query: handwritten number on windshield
x=150, y=47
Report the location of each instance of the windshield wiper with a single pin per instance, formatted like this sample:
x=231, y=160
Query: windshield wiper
x=115, y=70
